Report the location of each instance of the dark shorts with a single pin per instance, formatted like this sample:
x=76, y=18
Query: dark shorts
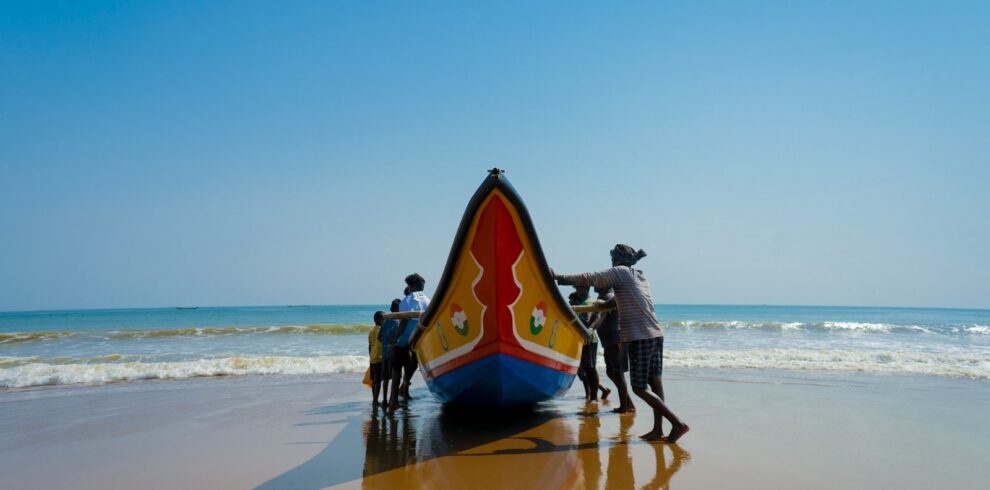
x=645, y=361
x=376, y=372
x=608, y=339
x=589, y=356
x=616, y=358
x=400, y=358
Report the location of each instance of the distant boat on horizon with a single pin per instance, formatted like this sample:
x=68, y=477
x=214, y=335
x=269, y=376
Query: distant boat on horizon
x=187, y=307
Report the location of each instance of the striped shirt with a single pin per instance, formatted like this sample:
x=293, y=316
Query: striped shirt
x=637, y=320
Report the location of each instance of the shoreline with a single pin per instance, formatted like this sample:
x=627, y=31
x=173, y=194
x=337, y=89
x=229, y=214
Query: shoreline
x=750, y=429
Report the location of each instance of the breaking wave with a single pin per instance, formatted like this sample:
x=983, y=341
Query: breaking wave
x=24, y=372
x=975, y=366
x=50, y=372
x=851, y=327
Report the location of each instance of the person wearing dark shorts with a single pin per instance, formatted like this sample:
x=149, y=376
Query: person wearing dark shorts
x=388, y=335
x=639, y=329
x=405, y=358
x=588, y=365
x=606, y=324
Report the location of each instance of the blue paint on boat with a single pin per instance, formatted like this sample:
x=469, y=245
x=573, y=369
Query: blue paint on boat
x=500, y=380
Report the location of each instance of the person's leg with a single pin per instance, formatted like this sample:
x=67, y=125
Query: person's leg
x=592, y=372
x=399, y=357
x=386, y=377
x=376, y=382
x=640, y=352
x=656, y=366
x=613, y=369
x=623, y=369
x=655, y=379
x=410, y=368
x=582, y=373
x=594, y=365
x=393, y=396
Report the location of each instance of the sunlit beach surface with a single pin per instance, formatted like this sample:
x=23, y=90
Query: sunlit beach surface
x=751, y=429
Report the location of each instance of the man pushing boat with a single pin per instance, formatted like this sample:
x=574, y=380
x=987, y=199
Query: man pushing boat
x=639, y=329
x=404, y=358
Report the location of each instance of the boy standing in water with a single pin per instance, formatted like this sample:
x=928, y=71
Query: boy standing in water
x=375, y=356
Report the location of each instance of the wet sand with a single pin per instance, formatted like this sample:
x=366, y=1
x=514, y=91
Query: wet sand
x=750, y=429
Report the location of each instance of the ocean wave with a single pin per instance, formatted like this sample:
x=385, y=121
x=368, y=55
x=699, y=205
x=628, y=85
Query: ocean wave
x=52, y=373
x=325, y=329
x=885, y=362
x=19, y=361
x=322, y=329
x=13, y=337
x=977, y=329
x=864, y=327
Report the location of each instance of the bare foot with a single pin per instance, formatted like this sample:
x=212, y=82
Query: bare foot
x=677, y=432
x=653, y=436
x=625, y=410
x=605, y=393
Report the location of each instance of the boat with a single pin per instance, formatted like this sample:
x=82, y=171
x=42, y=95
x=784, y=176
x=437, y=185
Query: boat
x=497, y=332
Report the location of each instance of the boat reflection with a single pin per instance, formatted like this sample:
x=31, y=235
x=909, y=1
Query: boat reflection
x=428, y=445
x=541, y=449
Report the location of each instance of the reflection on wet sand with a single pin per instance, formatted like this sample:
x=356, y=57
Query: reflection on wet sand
x=553, y=445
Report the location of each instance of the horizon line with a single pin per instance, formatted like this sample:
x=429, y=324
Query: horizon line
x=771, y=305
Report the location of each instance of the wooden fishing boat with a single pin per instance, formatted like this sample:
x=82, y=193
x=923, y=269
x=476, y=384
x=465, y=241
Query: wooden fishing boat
x=498, y=332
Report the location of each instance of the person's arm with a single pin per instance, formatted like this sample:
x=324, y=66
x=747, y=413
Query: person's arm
x=597, y=322
x=401, y=329
x=602, y=279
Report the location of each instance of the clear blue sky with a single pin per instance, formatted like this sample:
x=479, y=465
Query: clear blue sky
x=238, y=153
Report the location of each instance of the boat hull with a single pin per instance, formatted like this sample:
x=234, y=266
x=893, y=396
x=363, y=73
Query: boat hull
x=500, y=380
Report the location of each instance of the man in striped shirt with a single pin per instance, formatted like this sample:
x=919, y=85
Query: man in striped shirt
x=639, y=329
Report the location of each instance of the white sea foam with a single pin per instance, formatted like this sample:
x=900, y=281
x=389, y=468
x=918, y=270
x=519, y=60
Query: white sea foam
x=976, y=365
x=851, y=327
x=53, y=373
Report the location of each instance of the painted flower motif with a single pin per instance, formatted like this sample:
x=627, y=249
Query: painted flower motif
x=459, y=319
x=538, y=318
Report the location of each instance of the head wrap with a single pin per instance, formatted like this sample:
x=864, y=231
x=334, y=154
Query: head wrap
x=625, y=255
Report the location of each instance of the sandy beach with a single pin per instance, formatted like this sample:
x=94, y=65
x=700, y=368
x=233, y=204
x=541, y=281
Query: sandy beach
x=750, y=429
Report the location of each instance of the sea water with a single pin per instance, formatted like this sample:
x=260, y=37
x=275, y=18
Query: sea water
x=57, y=348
